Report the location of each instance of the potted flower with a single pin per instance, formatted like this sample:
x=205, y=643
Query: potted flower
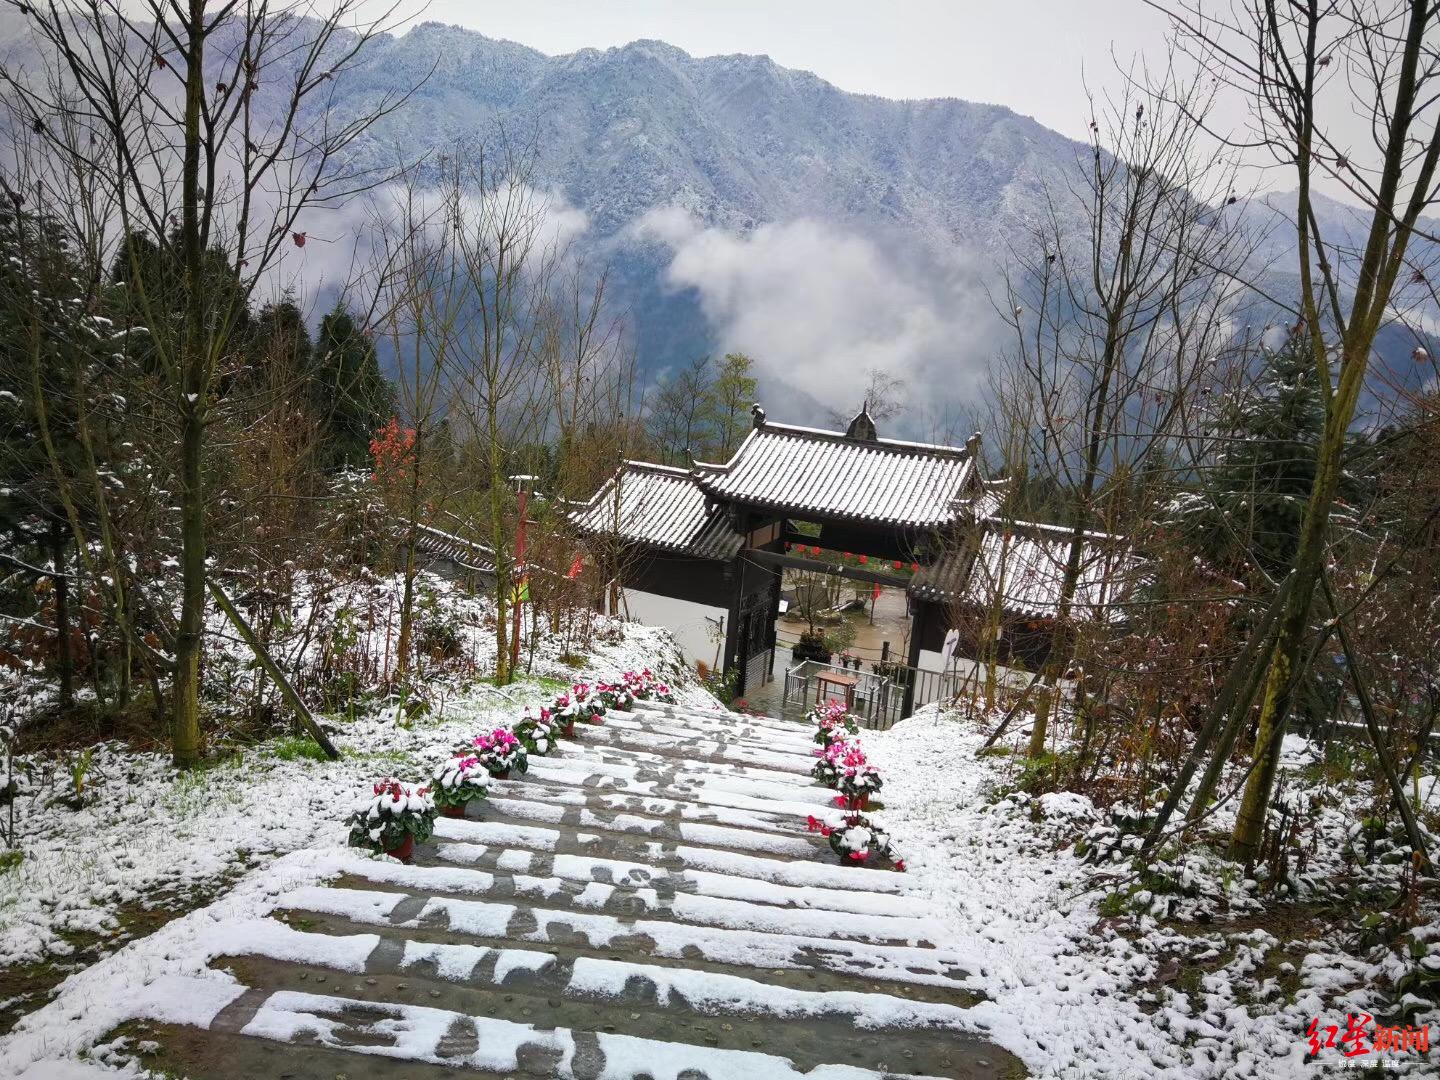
x=856, y=783
x=832, y=761
x=500, y=752
x=857, y=840
x=457, y=783
x=645, y=687
x=615, y=694
x=582, y=703
x=538, y=734
x=833, y=723
x=392, y=819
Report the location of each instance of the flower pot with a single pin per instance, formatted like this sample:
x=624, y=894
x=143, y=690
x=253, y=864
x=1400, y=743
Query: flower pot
x=406, y=849
x=569, y=731
x=453, y=811
x=503, y=774
x=861, y=802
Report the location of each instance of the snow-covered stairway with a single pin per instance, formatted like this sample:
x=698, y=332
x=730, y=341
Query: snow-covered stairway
x=647, y=902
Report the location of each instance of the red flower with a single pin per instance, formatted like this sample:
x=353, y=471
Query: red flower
x=900, y=865
x=812, y=823
x=897, y=564
x=864, y=560
x=859, y=856
x=914, y=567
x=814, y=551
x=826, y=830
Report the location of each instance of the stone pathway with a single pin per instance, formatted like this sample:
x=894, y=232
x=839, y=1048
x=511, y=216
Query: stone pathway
x=645, y=903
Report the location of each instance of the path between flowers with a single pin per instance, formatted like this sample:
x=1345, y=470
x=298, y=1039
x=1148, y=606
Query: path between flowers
x=645, y=902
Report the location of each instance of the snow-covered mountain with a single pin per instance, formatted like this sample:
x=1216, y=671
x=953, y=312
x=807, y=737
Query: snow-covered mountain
x=743, y=205
x=736, y=140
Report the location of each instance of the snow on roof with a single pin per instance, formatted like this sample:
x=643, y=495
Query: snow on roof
x=659, y=506
x=462, y=552
x=1025, y=563
x=802, y=471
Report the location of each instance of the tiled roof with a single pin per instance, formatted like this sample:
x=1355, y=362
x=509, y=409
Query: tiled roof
x=805, y=471
x=462, y=552
x=1025, y=562
x=661, y=507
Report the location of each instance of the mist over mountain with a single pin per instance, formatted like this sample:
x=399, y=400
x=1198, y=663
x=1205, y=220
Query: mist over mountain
x=745, y=206
x=740, y=205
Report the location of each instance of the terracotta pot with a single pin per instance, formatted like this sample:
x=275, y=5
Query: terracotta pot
x=504, y=775
x=405, y=851
x=452, y=811
x=569, y=731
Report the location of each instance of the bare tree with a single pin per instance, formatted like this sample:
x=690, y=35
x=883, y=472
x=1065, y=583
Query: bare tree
x=1305, y=69
x=1117, y=301
x=214, y=127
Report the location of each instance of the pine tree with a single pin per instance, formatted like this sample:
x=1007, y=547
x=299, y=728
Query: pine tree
x=1252, y=503
x=351, y=395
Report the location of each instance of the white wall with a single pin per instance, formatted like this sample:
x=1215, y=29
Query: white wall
x=692, y=624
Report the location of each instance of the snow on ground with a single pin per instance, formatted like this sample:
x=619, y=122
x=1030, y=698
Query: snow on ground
x=1077, y=995
x=148, y=834
x=1071, y=992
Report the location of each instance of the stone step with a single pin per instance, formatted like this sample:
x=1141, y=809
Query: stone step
x=719, y=713
x=639, y=999
x=460, y=1038
x=734, y=727
x=738, y=810
x=479, y=919
x=666, y=735
x=699, y=748
x=581, y=770
x=811, y=979
x=590, y=744
x=836, y=896
x=648, y=901
x=498, y=826
x=481, y=838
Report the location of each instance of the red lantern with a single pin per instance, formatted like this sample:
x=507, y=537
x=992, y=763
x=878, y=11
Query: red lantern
x=914, y=567
x=864, y=560
x=814, y=551
x=897, y=564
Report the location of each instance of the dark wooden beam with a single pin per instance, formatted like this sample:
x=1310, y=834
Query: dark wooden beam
x=853, y=573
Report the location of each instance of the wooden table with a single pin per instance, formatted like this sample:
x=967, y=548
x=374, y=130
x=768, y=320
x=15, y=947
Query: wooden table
x=846, y=683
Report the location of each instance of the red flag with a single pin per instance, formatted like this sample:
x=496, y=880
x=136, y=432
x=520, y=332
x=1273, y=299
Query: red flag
x=875, y=592
x=576, y=567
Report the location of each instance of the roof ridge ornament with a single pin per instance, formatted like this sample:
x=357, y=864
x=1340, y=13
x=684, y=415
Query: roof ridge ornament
x=862, y=426
x=757, y=415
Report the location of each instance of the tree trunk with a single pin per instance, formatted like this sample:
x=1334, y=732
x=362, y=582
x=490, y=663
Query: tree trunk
x=1290, y=638
x=64, y=662
x=185, y=714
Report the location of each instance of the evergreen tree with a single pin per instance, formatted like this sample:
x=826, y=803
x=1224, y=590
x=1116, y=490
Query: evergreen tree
x=1252, y=500
x=352, y=397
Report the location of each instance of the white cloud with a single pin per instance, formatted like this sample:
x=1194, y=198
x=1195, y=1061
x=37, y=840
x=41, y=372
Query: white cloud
x=818, y=305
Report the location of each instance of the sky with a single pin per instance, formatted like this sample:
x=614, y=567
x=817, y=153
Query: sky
x=1034, y=56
